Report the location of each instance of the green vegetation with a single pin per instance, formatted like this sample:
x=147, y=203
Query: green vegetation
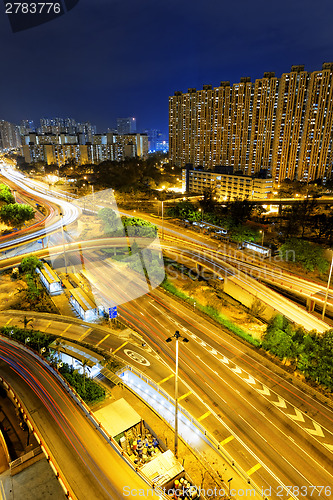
x=89, y=391
x=85, y=387
x=308, y=352
x=111, y=222
x=210, y=311
x=309, y=255
x=139, y=227
x=231, y=216
x=6, y=194
x=37, y=340
x=35, y=288
x=14, y=214
x=30, y=264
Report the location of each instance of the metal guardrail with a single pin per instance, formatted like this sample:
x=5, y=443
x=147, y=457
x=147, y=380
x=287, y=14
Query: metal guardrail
x=31, y=454
x=71, y=391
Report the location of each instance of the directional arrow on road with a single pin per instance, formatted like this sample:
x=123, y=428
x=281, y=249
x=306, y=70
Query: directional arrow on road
x=236, y=369
x=298, y=417
x=264, y=391
x=317, y=431
x=280, y=404
x=250, y=380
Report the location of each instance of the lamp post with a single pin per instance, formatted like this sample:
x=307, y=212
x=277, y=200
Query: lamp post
x=262, y=238
x=229, y=481
x=176, y=336
x=63, y=239
x=162, y=219
x=201, y=211
x=327, y=289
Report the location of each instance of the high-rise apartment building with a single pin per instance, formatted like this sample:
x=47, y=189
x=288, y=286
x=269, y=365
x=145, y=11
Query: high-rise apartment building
x=284, y=125
x=59, y=148
x=126, y=125
x=9, y=135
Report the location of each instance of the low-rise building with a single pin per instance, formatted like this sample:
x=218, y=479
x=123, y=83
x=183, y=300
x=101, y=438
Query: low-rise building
x=227, y=186
x=84, y=304
x=50, y=279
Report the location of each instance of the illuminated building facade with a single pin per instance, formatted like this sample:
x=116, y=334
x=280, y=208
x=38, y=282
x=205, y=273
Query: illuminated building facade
x=281, y=124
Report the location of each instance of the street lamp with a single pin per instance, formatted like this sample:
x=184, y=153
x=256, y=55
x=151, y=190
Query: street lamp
x=176, y=336
x=63, y=239
x=262, y=238
x=229, y=481
x=162, y=219
x=327, y=289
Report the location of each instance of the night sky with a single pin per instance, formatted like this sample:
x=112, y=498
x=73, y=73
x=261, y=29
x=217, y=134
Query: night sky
x=115, y=58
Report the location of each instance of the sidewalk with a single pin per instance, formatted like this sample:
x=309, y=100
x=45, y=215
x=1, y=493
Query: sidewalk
x=37, y=482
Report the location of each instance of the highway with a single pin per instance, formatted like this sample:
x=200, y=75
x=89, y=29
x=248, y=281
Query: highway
x=52, y=223
x=90, y=466
x=273, y=424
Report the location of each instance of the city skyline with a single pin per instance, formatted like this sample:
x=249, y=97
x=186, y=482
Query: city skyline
x=86, y=66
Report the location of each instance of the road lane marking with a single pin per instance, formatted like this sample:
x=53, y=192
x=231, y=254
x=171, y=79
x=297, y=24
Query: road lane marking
x=165, y=379
x=281, y=403
x=227, y=440
x=85, y=334
x=298, y=417
x=317, y=431
x=328, y=446
x=104, y=338
x=265, y=391
x=253, y=469
x=205, y=415
x=118, y=348
x=184, y=395
x=2, y=492
x=67, y=328
x=9, y=321
x=47, y=326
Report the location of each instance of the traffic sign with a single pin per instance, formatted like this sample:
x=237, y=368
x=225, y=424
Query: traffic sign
x=112, y=312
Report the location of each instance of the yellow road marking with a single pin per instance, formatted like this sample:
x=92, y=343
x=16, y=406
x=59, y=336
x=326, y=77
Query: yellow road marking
x=47, y=326
x=118, y=348
x=11, y=319
x=205, y=415
x=184, y=395
x=84, y=334
x=67, y=328
x=104, y=338
x=2, y=492
x=165, y=379
x=227, y=440
x=253, y=469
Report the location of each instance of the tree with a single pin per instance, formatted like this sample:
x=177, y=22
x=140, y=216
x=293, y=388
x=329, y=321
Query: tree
x=30, y=263
x=6, y=194
x=26, y=322
x=14, y=214
x=239, y=211
x=139, y=227
x=257, y=308
x=112, y=222
x=185, y=210
x=310, y=256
